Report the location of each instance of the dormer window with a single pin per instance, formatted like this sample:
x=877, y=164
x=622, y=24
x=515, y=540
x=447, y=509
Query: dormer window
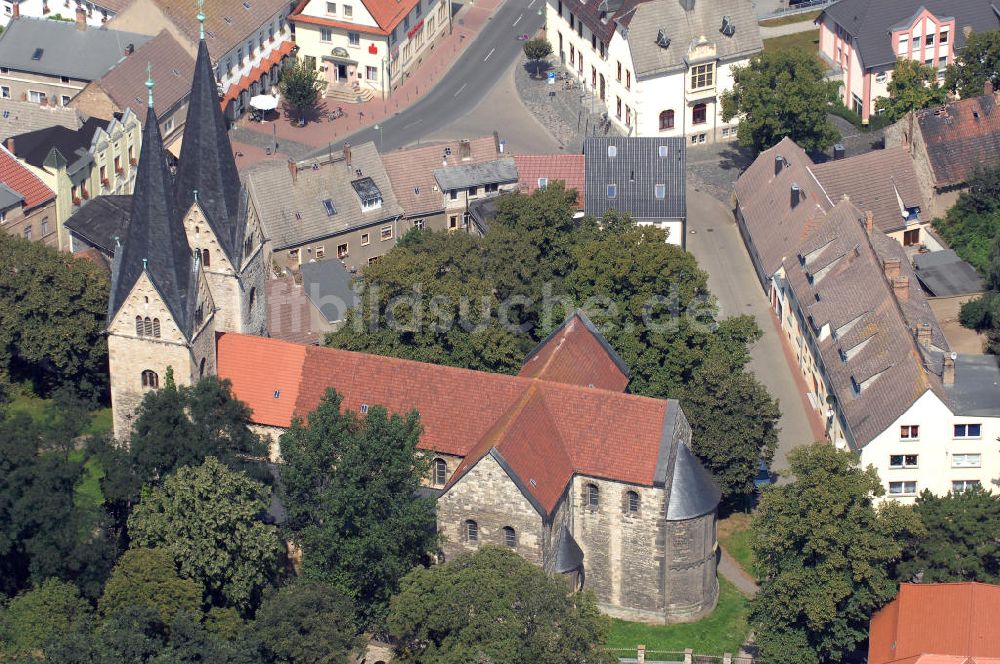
x=368, y=193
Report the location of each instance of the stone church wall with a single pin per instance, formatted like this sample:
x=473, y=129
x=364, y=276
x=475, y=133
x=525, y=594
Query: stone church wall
x=254, y=309
x=691, y=586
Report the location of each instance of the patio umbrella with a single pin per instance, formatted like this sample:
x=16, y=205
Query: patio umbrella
x=264, y=102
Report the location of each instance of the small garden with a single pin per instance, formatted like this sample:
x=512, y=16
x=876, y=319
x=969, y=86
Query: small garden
x=734, y=537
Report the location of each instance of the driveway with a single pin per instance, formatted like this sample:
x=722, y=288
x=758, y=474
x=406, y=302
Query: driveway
x=715, y=241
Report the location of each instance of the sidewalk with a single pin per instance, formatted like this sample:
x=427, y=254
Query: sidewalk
x=787, y=29
x=467, y=22
x=730, y=570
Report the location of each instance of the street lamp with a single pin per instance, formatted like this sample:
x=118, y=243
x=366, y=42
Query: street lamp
x=379, y=128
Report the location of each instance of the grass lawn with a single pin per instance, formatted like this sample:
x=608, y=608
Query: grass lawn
x=88, y=491
x=791, y=18
x=34, y=406
x=734, y=536
x=800, y=41
x=723, y=631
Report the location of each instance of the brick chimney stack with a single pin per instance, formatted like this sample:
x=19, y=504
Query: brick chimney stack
x=869, y=221
x=901, y=288
x=293, y=168
x=10, y=145
x=347, y=154
x=16, y=10
x=923, y=335
x=890, y=267
x=81, y=18
x=948, y=372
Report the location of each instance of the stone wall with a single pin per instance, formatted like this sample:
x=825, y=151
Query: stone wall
x=692, y=588
x=253, y=304
x=488, y=496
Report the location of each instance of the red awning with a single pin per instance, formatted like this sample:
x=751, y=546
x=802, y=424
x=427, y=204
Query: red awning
x=273, y=58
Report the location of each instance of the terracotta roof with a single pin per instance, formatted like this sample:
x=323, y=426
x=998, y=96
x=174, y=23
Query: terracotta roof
x=577, y=354
x=228, y=22
x=567, y=168
x=22, y=181
x=386, y=13
x=937, y=619
x=961, y=136
x=411, y=171
x=173, y=69
x=878, y=181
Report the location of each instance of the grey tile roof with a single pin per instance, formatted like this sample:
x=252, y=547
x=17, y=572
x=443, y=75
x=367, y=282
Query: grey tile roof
x=944, y=274
x=635, y=171
x=869, y=22
x=500, y=171
x=20, y=117
x=227, y=23
x=569, y=555
x=976, y=391
x=101, y=220
x=685, y=29
x=65, y=50
x=9, y=197
x=327, y=284
x=293, y=211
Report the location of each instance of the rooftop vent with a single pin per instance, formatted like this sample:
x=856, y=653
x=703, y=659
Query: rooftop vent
x=447, y=152
x=228, y=20
x=662, y=40
x=796, y=194
x=779, y=163
x=277, y=393
x=37, y=55
x=728, y=27
x=246, y=6
x=357, y=172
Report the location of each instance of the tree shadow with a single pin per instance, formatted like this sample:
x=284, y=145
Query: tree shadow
x=735, y=157
x=538, y=69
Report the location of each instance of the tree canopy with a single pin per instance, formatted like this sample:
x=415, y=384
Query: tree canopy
x=349, y=484
x=149, y=577
x=301, y=86
x=976, y=63
x=914, y=85
x=36, y=615
x=494, y=606
x=825, y=557
x=782, y=93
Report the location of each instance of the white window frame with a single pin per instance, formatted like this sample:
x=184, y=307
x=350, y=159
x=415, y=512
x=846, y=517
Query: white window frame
x=385, y=233
x=365, y=239
x=331, y=8
x=909, y=428
x=904, y=463
x=966, y=436
x=966, y=485
x=35, y=96
x=326, y=34
x=967, y=460
x=902, y=485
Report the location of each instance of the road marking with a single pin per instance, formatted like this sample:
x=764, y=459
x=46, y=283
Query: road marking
x=518, y=20
x=487, y=57
x=460, y=89
x=415, y=122
x=531, y=3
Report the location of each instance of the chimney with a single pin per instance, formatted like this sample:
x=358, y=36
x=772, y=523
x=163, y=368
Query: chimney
x=839, y=152
x=923, y=334
x=869, y=221
x=948, y=371
x=779, y=162
x=688, y=5
x=293, y=168
x=129, y=50
x=10, y=143
x=796, y=194
x=347, y=153
x=16, y=11
x=890, y=267
x=81, y=18
x=901, y=288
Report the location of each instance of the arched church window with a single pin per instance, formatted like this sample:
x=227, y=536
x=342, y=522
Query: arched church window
x=150, y=379
x=253, y=296
x=509, y=537
x=201, y=368
x=440, y=472
x=138, y=326
x=206, y=258
x=471, y=532
x=156, y=328
x=147, y=325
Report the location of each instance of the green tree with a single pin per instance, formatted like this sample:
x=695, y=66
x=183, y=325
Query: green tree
x=206, y=519
x=913, y=86
x=348, y=485
x=972, y=224
x=301, y=87
x=961, y=542
x=52, y=318
x=976, y=63
x=34, y=617
x=149, y=576
x=778, y=94
x=307, y=622
x=494, y=606
x=825, y=557
x=537, y=49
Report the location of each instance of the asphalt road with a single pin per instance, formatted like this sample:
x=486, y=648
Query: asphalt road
x=484, y=62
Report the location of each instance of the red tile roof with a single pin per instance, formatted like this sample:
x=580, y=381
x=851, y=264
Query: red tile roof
x=565, y=167
x=18, y=178
x=387, y=14
x=576, y=354
x=545, y=431
x=961, y=136
x=954, y=619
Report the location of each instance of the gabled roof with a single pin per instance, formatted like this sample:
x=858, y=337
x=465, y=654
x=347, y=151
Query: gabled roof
x=73, y=144
x=207, y=164
x=686, y=30
x=101, y=220
x=227, y=24
x=387, y=15
x=18, y=180
x=62, y=47
x=883, y=182
x=19, y=117
x=944, y=619
x=636, y=168
x=577, y=353
x=567, y=168
x=961, y=136
x=603, y=18
x=500, y=171
x=870, y=22
x=174, y=68
x=157, y=243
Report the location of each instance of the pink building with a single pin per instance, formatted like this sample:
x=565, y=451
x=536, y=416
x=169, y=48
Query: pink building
x=864, y=38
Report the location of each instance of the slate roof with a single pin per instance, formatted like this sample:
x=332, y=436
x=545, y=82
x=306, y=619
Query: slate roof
x=501, y=171
x=411, y=171
x=961, y=136
x=20, y=117
x=207, y=164
x=21, y=184
x=569, y=555
x=567, y=168
x=693, y=491
x=292, y=211
x=327, y=284
x=173, y=69
x=880, y=181
x=636, y=169
x=8, y=197
x=62, y=47
x=227, y=22
x=73, y=144
x=576, y=353
x=101, y=220
x=957, y=619
x=944, y=274
x=157, y=243
x=976, y=391
x=685, y=29
x=870, y=22
x=541, y=432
